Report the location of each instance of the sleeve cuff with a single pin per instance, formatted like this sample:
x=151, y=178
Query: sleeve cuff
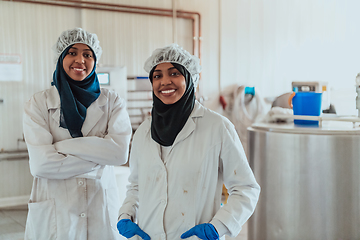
x=220, y=227
x=124, y=216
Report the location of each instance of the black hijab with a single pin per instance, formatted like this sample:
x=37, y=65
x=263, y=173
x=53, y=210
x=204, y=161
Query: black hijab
x=169, y=119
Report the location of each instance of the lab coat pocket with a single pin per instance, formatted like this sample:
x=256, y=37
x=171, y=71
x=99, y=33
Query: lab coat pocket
x=41, y=221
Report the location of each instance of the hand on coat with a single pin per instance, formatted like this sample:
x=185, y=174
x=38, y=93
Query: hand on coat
x=129, y=229
x=205, y=231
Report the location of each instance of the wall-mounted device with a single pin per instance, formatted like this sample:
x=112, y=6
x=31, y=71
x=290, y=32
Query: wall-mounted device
x=113, y=78
x=104, y=78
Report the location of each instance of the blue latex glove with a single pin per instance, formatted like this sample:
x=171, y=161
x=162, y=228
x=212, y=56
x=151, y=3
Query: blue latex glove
x=205, y=231
x=129, y=229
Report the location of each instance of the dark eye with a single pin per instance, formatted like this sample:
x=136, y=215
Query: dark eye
x=87, y=55
x=156, y=76
x=175, y=74
x=72, y=53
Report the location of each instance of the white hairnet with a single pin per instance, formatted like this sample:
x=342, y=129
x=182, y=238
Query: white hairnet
x=77, y=35
x=176, y=54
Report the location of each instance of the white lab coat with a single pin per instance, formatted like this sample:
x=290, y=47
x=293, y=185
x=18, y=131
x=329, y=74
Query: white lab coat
x=168, y=197
x=74, y=194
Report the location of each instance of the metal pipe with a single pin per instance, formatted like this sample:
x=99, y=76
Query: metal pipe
x=153, y=9
x=199, y=29
x=112, y=7
x=13, y=151
x=89, y=7
x=124, y=8
x=174, y=20
x=219, y=80
x=117, y=5
x=14, y=158
x=14, y=155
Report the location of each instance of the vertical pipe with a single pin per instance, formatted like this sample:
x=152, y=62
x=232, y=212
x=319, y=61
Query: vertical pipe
x=219, y=78
x=200, y=37
x=194, y=38
x=174, y=20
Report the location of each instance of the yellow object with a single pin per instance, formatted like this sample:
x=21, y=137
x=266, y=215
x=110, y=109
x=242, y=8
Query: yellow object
x=225, y=193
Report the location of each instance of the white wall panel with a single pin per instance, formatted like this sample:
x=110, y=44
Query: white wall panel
x=15, y=178
x=209, y=10
x=269, y=44
x=28, y=30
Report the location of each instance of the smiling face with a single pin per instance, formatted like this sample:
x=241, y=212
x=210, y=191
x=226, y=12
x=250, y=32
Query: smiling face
x=79, y=62
x=168, y=83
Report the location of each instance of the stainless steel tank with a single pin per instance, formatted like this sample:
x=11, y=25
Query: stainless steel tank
x=310, y=182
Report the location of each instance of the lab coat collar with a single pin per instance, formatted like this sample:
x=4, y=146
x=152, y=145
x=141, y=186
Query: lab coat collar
x=198, y=110
x=53, y=99
x=190, y=125
x=93, y=113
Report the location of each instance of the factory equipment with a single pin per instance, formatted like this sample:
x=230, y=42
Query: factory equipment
x=357, y=85
x=310, y=181
x=113, y=78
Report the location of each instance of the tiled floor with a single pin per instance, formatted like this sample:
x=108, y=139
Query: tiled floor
x=12, y=224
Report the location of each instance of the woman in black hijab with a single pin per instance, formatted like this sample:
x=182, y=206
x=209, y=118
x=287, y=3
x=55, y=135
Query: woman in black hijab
x=180, y=158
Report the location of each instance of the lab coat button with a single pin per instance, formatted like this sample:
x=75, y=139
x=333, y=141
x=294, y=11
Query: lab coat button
x=82, y=215
x=163, y=201
x=81, y=182
x=163, y=236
